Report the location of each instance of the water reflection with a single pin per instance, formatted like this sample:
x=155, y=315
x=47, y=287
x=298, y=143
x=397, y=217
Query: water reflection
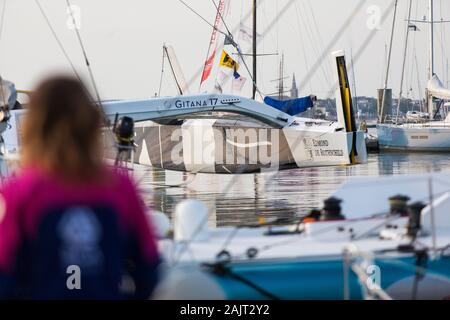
x=238, y=199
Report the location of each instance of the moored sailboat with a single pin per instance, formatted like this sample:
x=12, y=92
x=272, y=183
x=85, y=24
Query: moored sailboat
x=428, y=134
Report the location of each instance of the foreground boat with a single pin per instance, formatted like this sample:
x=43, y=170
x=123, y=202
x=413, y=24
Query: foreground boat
x=396, y=253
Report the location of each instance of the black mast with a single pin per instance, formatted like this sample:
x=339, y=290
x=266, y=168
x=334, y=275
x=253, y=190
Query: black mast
x=254, y=49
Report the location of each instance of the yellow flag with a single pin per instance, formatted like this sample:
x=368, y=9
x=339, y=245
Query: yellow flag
x=261, y=220
x=227, y=62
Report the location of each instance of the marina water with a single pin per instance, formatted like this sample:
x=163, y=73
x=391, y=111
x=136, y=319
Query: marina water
x=239, y=199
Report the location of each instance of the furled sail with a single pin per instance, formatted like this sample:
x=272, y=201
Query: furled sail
x=291, y=106
x=437, y=89
x=183, y=86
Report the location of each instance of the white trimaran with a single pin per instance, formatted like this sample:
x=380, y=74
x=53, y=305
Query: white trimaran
x=429, y=135
x=221, y=133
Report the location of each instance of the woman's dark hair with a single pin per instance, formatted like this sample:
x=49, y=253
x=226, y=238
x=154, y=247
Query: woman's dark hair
x=62, y=130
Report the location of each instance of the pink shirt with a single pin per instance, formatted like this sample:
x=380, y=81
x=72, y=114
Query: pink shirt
x=27, y=197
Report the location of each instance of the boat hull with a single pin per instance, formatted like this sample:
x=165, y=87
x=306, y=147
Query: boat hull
x=209, y=146
x=307, y=279
x=434, y=139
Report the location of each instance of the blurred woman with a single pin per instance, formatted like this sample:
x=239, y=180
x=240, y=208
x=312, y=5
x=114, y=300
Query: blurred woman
x=71, y=227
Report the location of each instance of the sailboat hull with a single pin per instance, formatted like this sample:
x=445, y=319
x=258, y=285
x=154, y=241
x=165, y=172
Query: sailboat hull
x=306, y=279
x=212, y=146
x=414, y=138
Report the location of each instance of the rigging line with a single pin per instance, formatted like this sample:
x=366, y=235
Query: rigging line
x=242, y=12
x=414, y=268
x=271, y=25
x=3, y=18
x=383, y=100
x=221, y=18
x=446, y=55
x=373, y=229
x=386, y=216
x=162, y=72
x=302, y=45
x=230, y=35
x=63, y=50
x=229, y=238
x=288, y=241
x=325, y=67
x=252, y=285
x=365, y=233
x=277, y=25
x=363, y=46
x=320, y=41
x=335, y=38
x=419, y=87
x=442, y=41
x=107, y=122
x=354, y=84
x=1, y=33
x=301, y=239
x=274, y=37
x=411, y=80
x=213, y=34
x=268, y=29
x=180, y=89
x=405, y=53
x=80, y=41
x=168, y=81
x=248, y=70
x=201, y=17
x=314, y=45
x=328, y=67
x=236, y=45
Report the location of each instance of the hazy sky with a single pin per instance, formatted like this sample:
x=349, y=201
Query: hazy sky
x=124, y=41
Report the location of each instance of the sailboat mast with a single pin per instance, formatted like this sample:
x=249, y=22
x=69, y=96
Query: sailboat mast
x=383, y=100
x=447, y=75
x=281, y=77
x=431, y=40
x=254, y=49
x=405, y=53
x=431, y=67
x=355, y=99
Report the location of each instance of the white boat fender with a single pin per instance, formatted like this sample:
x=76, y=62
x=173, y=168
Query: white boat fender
x=191, y=221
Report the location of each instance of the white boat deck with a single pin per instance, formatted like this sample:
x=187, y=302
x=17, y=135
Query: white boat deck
x=326, y=245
